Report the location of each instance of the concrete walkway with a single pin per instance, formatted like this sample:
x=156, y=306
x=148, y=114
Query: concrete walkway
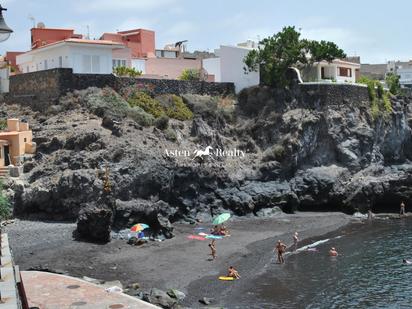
x=53, y=291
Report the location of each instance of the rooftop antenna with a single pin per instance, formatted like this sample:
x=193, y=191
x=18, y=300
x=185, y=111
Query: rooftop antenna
x=33, y=20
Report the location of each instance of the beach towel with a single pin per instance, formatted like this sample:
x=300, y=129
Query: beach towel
x=214, y=237
x=196, y=237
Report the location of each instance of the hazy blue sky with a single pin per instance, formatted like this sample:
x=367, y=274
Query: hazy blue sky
x=376, y=32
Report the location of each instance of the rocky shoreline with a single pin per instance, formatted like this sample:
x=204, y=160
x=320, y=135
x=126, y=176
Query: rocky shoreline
x=179, y=263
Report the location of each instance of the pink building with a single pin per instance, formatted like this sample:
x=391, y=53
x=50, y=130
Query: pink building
x=170, y=68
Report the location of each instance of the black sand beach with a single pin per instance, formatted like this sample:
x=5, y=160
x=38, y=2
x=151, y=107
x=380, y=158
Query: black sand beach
x=178, y=263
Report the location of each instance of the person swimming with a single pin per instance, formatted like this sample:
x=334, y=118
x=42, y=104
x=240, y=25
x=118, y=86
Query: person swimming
x=232, y=272
x=333, y=252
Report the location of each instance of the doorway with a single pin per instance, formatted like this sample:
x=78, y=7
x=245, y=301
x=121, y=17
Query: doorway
x=6, y=156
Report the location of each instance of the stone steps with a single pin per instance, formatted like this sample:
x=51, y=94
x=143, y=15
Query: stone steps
x=4, y=172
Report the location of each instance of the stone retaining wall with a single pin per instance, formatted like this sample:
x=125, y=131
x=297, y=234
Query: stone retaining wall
x=317, y=95
x=43, y=88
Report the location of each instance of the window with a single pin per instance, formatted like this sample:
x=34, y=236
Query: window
x=25, y=139
x=346, y=72
x=91, y=64
x=95, y=64
x=118, y=63
x=45, y=65
x=87, y=64
x=60, y=61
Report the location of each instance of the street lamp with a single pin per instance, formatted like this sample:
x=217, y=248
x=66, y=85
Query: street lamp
x=5, y=31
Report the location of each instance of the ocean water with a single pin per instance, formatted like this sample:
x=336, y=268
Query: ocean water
x=368, y=273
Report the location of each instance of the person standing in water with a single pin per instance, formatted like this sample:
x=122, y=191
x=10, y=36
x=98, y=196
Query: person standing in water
x=280, y=248
x=295, y=240
x=402, y=210
x=333, y=252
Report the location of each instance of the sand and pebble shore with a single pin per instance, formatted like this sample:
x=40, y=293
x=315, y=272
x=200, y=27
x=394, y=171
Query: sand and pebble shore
x=179, y=263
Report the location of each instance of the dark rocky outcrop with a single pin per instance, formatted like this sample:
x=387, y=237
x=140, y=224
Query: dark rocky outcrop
x=307, y=148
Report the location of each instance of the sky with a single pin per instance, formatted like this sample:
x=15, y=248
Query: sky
x=377, y=32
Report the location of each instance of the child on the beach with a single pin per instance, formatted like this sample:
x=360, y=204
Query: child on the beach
x=232, y=272
x=212, y=247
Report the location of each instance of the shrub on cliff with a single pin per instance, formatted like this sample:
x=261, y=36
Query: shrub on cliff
x=140, y=116
x=380, y=99
x=226, y=107
x=146, y=102
x=211, y=107
x=174, y=107
x=5, y=210
x=392, y=81
x=274, y=153
x=162, y=123
x=107, y=102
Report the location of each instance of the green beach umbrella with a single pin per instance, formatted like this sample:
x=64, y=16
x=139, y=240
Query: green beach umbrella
x=221, y=218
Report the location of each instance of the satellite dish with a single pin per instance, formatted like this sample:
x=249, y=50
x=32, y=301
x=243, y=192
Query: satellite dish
x=41, y=25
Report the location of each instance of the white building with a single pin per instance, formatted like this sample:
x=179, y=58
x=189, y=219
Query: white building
x=83, y=56
x=405, y=76
x=229, y=67
x=336, y=71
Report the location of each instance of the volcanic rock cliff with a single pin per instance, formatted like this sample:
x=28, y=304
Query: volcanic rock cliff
x=277, y=148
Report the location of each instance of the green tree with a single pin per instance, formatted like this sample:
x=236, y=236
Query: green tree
x=392, y=81
x=286, y=49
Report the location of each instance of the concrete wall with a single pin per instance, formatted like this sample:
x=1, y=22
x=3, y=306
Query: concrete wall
x=139, y=65
x=212, y=66
x=10, y=276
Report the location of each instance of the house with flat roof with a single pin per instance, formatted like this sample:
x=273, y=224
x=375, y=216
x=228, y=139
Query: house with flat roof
x=81, y=55
x=228, y=66
x=338, y=70
x=15, y=142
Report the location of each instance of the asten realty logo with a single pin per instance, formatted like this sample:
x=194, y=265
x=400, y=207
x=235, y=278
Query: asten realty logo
x=208, y=152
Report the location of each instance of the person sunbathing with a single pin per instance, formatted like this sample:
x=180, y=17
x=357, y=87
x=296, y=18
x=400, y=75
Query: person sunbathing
x=224, y=231
x=232, y=272
x=215, y=230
